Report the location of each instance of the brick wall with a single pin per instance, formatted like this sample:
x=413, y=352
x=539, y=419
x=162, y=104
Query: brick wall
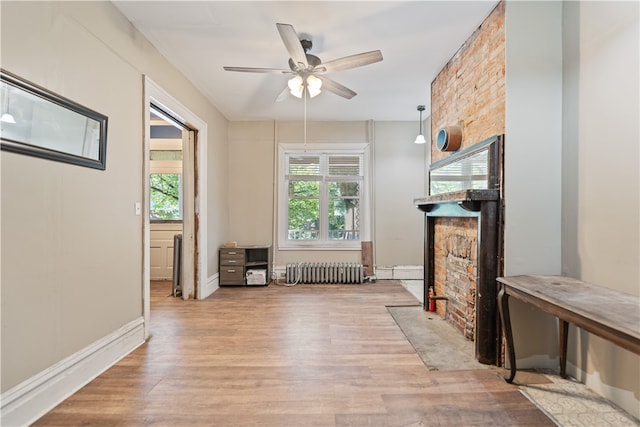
x=455, y=268
x=469, y=92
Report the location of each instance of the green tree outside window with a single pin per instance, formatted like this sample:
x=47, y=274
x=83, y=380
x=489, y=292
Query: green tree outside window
x=165, y=196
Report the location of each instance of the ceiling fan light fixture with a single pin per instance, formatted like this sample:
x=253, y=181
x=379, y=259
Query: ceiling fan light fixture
x=314, y=84
x=298, y=84
x=420, y=138
x=295, y=86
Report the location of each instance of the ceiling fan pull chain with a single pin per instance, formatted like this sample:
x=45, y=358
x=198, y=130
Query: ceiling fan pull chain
x=304, y=94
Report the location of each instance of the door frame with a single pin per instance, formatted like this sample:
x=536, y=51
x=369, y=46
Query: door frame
x=153, y=93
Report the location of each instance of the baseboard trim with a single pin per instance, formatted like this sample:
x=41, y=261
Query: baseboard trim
x=213, y=284
x=31, y=399
x=400, y=272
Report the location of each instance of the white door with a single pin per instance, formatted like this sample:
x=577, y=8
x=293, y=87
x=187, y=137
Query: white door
x=161, y=249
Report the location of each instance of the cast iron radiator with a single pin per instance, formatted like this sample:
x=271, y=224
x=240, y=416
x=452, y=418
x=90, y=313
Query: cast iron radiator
x=177, y=265
x=325, y=272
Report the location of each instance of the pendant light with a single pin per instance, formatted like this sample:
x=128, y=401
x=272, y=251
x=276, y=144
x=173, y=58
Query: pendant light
x=7, y=117
x=420, y=138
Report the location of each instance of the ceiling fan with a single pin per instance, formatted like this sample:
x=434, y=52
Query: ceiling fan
x=308, y=70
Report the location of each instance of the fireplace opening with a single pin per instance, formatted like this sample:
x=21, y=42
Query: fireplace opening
x=456, y=272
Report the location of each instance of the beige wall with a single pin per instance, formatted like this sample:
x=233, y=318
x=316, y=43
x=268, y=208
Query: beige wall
x=398, y=178
x=601, y=178
x=532, y=159
x=251, y=182
x=572, y=113
x=70, y=236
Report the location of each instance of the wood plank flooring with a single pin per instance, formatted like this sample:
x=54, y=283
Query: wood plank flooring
x=308, y=355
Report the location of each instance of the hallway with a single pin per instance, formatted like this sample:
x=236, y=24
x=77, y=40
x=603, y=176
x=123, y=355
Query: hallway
x=312, y=355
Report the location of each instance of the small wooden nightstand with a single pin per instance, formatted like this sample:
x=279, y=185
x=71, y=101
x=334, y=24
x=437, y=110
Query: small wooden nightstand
x=235, y=262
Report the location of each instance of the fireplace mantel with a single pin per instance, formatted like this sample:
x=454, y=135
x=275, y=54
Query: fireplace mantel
x=470, y=200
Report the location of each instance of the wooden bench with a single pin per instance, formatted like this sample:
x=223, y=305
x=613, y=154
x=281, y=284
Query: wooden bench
x=612, y=315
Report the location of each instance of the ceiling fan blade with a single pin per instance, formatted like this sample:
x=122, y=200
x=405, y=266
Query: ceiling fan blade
x=283, y=95
x=337, y=88
x=352, y=61
x=258, y=70
x=293, y=45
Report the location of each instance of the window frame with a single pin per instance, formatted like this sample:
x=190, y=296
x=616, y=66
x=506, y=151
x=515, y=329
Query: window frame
x=337, y=149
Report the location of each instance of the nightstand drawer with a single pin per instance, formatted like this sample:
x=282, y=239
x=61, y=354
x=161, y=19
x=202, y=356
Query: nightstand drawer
x=231, y=275
x=232, y=259
x=232, y=251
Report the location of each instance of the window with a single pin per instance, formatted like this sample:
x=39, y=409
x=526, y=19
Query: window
x=322, y=194
x=165, y=195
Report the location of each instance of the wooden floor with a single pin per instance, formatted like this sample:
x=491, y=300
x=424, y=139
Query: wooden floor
x=308, y=355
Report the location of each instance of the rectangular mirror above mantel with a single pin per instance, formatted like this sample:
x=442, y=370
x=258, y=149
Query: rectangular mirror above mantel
x=463, y=242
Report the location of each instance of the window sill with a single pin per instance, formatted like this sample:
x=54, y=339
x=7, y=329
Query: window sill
x=354, y=245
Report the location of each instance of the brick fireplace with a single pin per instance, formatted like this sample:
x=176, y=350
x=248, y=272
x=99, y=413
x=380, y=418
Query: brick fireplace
x=469, y=92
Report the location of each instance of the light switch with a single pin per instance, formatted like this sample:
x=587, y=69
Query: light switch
x=138, y=208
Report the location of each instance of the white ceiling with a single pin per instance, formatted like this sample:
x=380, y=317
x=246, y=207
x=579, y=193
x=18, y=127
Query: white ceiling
x=417, y=38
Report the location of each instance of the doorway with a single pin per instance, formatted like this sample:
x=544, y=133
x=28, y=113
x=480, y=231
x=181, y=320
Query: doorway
x=172, y=133
x=168, y=140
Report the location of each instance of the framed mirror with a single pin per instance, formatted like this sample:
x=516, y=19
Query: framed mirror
x=39, y=123
x=475, y=168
